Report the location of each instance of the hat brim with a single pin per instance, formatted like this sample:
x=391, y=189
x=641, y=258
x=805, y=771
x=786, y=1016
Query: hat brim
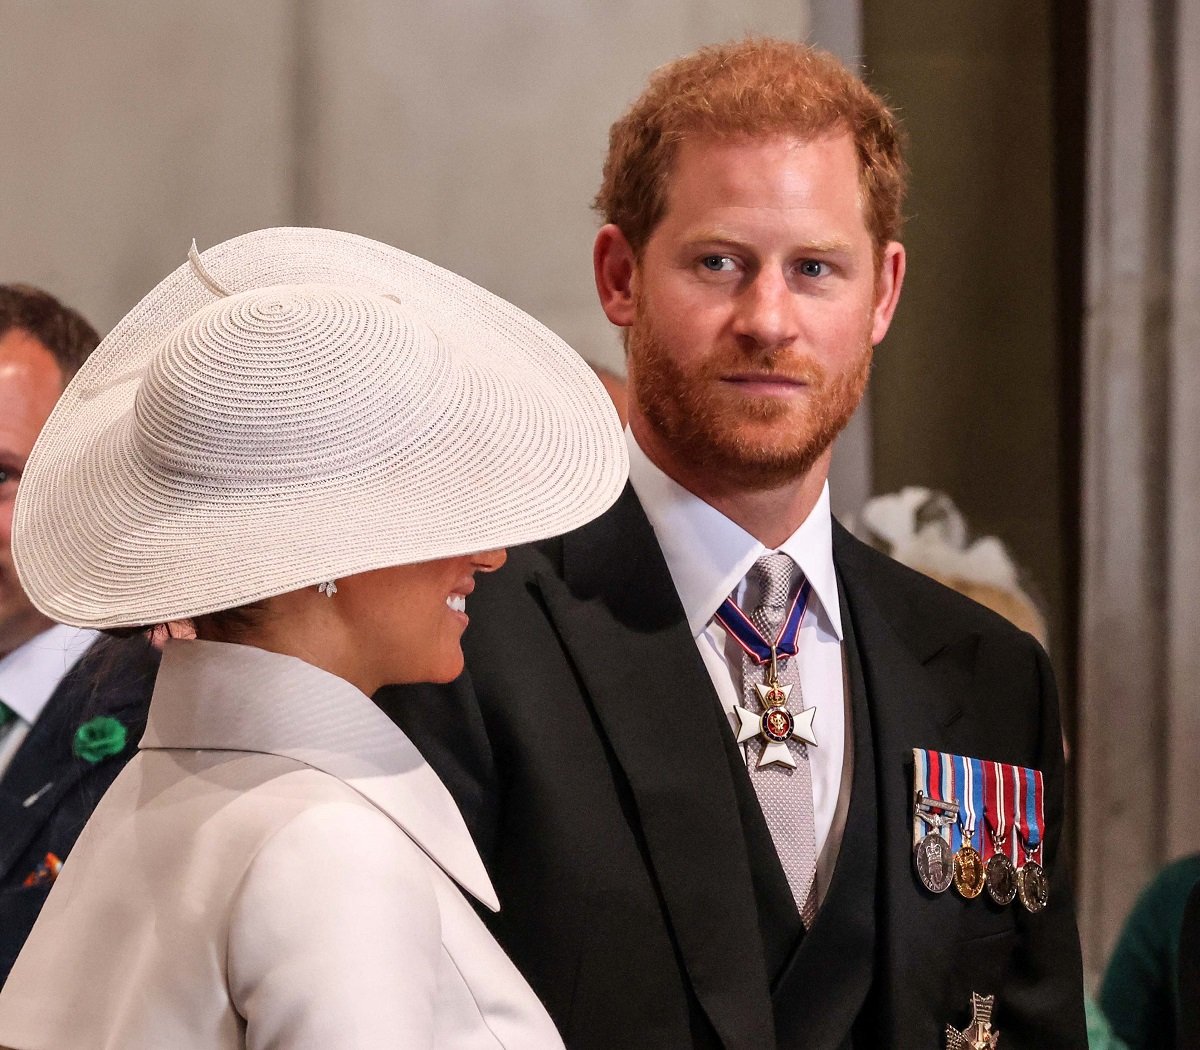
x=527, y=446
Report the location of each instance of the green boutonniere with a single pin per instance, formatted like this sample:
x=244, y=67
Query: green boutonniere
x=98, y=738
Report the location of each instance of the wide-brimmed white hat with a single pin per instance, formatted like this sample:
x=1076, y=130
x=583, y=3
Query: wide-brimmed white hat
x=298, y=405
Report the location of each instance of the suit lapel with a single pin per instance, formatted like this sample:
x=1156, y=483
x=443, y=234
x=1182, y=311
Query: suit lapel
x=41, y=774
x=619, y=617
x=45, y=770
x=909, y=707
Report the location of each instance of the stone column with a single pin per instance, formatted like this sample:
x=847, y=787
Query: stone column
x=1140, y=658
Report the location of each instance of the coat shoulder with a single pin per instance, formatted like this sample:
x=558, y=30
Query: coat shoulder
x=928, y=608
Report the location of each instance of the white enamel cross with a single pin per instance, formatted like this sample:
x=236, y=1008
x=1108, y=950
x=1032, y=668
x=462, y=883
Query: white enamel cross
x=775, y=751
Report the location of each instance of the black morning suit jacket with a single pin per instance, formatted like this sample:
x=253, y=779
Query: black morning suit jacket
x=641, y=895
x=113, y=678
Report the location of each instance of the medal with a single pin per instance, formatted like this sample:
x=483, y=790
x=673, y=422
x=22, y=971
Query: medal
x=1001, y=878
x=979, y=1034
x=775, y=724
x=933, y=856
x=968, y=864
x=1032, y=886
x=999, y=872
x=935, y=863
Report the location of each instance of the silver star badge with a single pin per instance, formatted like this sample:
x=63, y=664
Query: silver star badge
x=776, y=725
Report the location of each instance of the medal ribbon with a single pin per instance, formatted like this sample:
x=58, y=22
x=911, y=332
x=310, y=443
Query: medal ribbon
x=921, y=783
x=935, y=779
x=946, y=792
x=999, y=796
x=1035, y=816
x=967, y=815
x=751, y=639
x=978, y=804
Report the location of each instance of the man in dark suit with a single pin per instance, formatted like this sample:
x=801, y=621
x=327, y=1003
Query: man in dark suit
x=702, y=833
x=71, y=707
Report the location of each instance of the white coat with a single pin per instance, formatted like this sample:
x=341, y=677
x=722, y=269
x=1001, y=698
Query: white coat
x=276, y=868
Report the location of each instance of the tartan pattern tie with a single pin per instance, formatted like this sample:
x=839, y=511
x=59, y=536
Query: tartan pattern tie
x=784, y=794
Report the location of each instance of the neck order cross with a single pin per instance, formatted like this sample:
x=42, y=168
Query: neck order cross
x=764, y=646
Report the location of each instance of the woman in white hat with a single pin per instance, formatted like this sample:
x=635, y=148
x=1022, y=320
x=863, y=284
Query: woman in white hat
x=299, y=441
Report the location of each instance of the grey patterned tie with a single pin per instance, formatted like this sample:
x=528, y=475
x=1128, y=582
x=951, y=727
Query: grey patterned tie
x=785, y=794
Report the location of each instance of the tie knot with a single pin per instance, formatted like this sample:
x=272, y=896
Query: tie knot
x=7, y=714
x=773, y=574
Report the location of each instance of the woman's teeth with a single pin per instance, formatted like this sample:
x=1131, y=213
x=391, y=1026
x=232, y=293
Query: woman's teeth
x=457, y=602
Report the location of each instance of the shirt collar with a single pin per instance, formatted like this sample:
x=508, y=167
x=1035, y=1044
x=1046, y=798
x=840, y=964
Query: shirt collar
x=708, y=555
x=31, y=672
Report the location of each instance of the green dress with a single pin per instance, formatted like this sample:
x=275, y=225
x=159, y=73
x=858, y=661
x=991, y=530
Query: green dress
x=1140, y=991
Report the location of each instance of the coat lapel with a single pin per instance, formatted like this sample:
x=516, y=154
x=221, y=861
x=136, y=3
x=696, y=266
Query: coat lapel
x=112, y=678
x=619, y=617
x=910, y=706
x=41, y=774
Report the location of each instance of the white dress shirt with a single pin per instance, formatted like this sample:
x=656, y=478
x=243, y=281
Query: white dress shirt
x=30, y=674
x=708, y=557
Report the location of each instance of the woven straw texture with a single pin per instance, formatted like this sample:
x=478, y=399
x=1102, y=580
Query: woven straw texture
x=346, y=407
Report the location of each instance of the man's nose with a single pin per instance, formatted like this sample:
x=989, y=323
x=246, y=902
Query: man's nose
x=766, y=317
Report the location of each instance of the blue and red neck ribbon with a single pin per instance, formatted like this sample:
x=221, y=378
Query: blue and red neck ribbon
x=751, y=639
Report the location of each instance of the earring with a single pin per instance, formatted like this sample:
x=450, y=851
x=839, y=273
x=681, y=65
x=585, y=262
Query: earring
x=328, y=588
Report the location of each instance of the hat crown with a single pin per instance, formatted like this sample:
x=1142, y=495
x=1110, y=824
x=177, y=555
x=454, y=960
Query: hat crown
x=287, y=384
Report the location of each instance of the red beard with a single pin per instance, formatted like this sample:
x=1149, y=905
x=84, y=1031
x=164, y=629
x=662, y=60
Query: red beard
x=754, y=442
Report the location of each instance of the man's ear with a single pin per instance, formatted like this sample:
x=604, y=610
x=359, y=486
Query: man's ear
x=888, y=283
x=614, y=265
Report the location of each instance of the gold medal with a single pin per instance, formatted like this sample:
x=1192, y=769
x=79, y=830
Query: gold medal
x=969, y=877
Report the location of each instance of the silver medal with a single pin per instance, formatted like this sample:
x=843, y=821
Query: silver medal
x=1001, y=878
x=935, y=863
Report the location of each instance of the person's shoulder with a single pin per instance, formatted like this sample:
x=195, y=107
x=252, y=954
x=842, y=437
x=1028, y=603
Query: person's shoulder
x=1173, y=883
x=918, y=601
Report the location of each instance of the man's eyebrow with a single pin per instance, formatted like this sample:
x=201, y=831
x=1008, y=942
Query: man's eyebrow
x=717, y=237
x=826, y=247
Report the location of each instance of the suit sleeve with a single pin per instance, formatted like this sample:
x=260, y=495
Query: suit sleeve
x=334, y=936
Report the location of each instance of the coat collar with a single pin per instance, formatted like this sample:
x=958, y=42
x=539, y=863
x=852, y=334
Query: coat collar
x=216, y=696
x=621, y=620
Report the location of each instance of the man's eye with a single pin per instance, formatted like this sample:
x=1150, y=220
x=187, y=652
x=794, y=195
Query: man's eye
x=717, y=263
x=4, y=475
x=813, y=268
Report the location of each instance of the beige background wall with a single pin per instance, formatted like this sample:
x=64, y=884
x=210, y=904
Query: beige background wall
x=470, y=132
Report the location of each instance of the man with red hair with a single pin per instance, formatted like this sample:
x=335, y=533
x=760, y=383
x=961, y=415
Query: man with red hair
x=700, y=821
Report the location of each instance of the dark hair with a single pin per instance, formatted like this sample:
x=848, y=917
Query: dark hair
x=61, y=330
x=226, y=625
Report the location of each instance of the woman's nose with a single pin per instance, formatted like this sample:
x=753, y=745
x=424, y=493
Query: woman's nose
x=489, y=561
